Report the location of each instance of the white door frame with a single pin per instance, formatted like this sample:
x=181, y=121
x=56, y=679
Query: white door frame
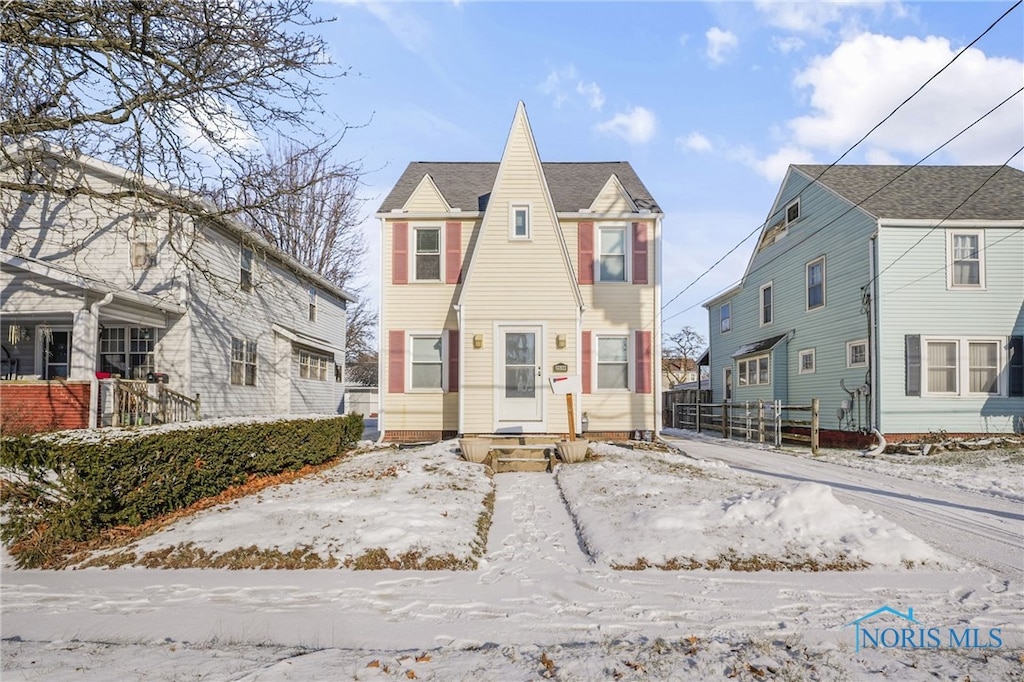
x=520, y=425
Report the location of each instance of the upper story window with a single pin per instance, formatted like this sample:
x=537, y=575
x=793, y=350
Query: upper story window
x=613, y=362
x=143, y=254
x=612, y=257
x=766, y=304
x=816, y=283
x=520, y=221
x=725, y=314
x=245, y=269
x=312, y=305
x=243, y=362
x=793, y=211
x=427, y=258
x=965, y=263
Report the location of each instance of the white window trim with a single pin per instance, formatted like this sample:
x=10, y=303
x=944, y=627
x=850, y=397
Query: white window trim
x=721, y=309
x=800, y=362
x=799, y=212
x=242, y=285
x=444, y=360
x=760, y=305
x=314, y=311
x=807, y=285
x=727, y=383
x=627, y=255
x=849, y=347
x=749, y=358
x=513, y=206
x=318, y=362
x=980, y=234
x=440, y=245
x=256, y=362
x=630, y=360
x=963, y=366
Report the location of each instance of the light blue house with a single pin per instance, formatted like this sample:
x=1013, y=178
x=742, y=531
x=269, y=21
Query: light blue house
x=894, y=294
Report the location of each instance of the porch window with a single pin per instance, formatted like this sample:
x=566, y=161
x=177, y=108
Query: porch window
x=127, y=351
x=427, y=362
x=243, y=362
x=313, y=366
x=754, y=371
x=613, y=362
x=612, y=258
x=428, y=253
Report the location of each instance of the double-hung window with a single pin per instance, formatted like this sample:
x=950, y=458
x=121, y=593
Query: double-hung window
x=816, y=284
x=613, y=362
x=766, y=304
x=313, y=365
x=427, y=258
x=312, y=304
x=427, y=359
x=243, y=362
x=807, y=360
x=127, y=351
x=725, y=314
x=245, y=270
x=962, y=366
x=966, y=265
x=754, y=371
x=612, y=243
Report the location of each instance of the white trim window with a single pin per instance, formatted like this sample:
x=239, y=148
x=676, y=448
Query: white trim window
x=816, y=284
x=243, y=362
x=963, y=367
x=755, y=371
x=426, y=254
x=245, y=263
x=613, y=366
x=793, y=211
x=127, y=351
x=314, y=366
x=807, y=361
x=727, y=382
x=426, y=362
x=725, y=316
x=143, y=254
x=766, y=308
x=857, y=353
x=519, y=222
x=312, y=304
x=965, y=260
x=613, y=248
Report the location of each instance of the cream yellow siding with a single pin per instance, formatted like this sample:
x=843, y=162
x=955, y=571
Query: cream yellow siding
x=612, y=199
x=426, y=198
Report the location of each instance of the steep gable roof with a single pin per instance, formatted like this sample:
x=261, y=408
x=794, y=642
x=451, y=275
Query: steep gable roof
x=467, y=185
x=927, y=192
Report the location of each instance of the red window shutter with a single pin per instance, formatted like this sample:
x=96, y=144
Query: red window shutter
x=586, y=253
x=396, y=361
x=643, y=362
x=400, y=254
x=585, y=355
x=453, y=253
x=640, y=253
x=453, y=360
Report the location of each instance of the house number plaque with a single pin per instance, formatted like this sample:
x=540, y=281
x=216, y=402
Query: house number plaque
x=560, y=367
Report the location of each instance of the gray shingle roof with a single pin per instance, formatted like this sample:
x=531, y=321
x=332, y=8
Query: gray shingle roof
x=467, y=185
x=928, y=192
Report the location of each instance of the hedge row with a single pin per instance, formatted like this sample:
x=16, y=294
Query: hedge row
x=60, y=490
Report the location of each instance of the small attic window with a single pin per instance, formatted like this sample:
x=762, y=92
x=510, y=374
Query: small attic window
x=793, y=212
x=519, y=221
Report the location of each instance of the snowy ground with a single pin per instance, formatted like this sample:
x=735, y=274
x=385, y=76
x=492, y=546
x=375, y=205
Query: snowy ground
x=544, y=599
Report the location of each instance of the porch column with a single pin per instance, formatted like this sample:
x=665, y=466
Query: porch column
x=84, y=342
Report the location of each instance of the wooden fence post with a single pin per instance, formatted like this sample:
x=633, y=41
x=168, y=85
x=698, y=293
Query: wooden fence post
x=760, y=421
x=814, y=426
x=726, y=421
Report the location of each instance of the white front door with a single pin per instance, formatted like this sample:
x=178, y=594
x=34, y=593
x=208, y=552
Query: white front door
x=519, y=378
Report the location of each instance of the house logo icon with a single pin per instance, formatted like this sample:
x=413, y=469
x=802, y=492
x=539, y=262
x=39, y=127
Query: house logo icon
x=860, y=627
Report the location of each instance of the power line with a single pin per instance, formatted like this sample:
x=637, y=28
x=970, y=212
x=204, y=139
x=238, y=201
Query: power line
x=851, y=148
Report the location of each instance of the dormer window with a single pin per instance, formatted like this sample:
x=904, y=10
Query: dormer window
x=519, y=227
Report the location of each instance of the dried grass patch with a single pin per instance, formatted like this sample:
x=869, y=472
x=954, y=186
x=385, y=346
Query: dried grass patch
x=730, y=561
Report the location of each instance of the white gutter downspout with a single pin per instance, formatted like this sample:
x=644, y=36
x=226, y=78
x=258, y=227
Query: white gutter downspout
x=656, y=333
x=94, y=383
x=459, y=309
x=579, y=363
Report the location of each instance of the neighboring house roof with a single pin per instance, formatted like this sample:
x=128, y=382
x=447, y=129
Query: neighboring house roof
x=927, y=192
x=467, y=185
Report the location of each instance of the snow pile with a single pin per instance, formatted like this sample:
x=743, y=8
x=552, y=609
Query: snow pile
x=643, y=508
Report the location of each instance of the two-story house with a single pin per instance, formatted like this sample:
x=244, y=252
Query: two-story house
x=894, y=294
x=97, y=285
x=500, y=280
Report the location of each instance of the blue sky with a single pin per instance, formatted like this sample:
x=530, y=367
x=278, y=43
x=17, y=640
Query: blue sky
x=710, y=102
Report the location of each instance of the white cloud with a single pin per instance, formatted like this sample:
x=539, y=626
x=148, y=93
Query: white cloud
x=773, y=167
x=815, y=18
x=557, y=82
x=788, y=44
x=592, y=91
x=720, y=43
x=695, y=142
x=880, y=157
x=868, y=76
x=635, y=126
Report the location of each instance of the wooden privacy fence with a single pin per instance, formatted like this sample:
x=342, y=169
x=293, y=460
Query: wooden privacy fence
x=134, y=404
x=754, y=421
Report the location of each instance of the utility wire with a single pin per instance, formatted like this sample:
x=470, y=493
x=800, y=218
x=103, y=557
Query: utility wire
x=851, y=148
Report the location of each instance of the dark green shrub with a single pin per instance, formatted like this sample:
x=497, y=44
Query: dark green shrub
x=62, y=489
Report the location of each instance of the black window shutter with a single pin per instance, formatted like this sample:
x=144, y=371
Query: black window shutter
x=913, y=364
x=1016, y=366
